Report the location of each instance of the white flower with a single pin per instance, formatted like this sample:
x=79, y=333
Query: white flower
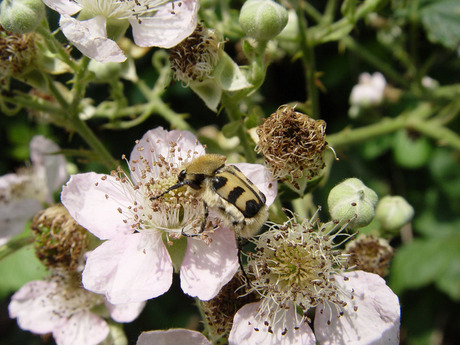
x=173, y=337
x=297, y=267
x=155, y=23
x=143, y=235
x=23, y=194
x=61, y=307
x=369, y=91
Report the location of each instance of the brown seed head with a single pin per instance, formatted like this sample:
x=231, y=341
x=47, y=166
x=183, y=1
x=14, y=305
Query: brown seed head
x=292, y=144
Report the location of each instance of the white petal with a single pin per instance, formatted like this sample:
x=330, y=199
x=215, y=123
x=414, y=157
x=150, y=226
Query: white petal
x=126, y=312
x=50, y=165
x=172, y=337
x=90, y=37
x=376, y=320
x=245, y=324
x=94, y=201
x=262, y=178
x=166, y=29
x=206, y=269
x=157, y=142
x=82, y=328
x=14, y=216
x=34, y=307
x=63, y=6
x=132, y=268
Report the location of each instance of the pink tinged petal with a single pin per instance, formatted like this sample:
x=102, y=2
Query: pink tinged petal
x=376, y=321
x=248, y=329
x=206, y=269
x=157, y=142
x=95, y=201
x=172, y=337
x=126, y=312
x=34, y=307
x=82, y=328
x=14, y=216
x=129, y=269
x=167, y=27
x=90, y=37
x=262, y=178
x=63, y=6
x=52, y=166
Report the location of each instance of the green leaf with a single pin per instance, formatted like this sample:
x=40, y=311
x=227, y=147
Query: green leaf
x=441, y=20
x=231, y=129
x=18, y=269
x=422, y=262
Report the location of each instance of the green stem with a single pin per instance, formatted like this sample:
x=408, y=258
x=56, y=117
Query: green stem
x=234, y=114
x=355, y=136
x=87, y=134
x=380, y=64
x=308, y=59
x=435, y=130
x=14, y=245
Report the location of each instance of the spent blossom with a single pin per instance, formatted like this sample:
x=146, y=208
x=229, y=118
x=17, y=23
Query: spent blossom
x=23, y=194
x=143, y=235
x=297, y=267
x=60, y=306
x=155, y=23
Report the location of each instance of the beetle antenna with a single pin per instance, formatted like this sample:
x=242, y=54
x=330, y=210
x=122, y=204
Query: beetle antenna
x=178, y=185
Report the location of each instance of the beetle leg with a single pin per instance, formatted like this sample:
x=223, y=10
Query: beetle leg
x=205, y=218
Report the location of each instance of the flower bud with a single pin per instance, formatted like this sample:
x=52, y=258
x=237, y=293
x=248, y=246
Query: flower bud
x=21, y=16
x=263, y=19
x=352, y=201
x=393, y=212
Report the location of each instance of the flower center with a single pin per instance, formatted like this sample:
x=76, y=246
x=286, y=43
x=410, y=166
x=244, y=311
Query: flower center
x=122, y=9
x=294, y=267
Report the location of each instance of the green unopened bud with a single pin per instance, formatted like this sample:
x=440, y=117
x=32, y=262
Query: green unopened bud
x=393, y=212
x=352, y=201
x=21, y=16
x=263, y=19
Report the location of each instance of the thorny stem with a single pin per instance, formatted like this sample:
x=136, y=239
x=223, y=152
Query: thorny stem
x=416, y=119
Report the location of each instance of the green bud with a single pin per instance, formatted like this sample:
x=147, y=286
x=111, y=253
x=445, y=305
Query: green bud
x=352, y=201
x=263, y=19
x=393, y=212
x=21, y=16
x=105, y=72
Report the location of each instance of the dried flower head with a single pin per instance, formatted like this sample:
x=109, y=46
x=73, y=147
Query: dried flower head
x=17, y=52
x=295, y=265
x=59, y=241
x=370, y=254
x=292, y=144
x=220, y=310
x=195, y=57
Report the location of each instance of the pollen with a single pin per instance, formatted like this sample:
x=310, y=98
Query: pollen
x=292, y=144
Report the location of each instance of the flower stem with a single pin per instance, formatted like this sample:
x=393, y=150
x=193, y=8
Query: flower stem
x=14, y=245
x=231, y=107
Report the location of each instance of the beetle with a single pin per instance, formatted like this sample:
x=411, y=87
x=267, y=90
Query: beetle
x=225, y=189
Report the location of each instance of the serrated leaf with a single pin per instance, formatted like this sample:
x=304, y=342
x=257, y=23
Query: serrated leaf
x=441, y=20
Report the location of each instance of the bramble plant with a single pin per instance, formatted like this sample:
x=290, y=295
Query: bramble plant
x=339, y=119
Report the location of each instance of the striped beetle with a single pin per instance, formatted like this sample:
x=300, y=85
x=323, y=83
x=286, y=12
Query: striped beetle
x=227, y=190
